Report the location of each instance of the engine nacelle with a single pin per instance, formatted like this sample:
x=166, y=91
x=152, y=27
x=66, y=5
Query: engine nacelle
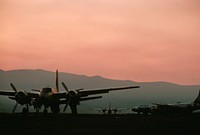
x=22, y=97
x=73, y=93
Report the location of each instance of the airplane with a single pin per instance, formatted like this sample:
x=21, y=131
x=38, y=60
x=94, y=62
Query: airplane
x=109, y=110
x=178, y=108
x=51, y=97
x=144, y=109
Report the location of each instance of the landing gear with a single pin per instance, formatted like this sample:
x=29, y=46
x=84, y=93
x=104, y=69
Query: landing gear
x=55, y=110
x=37, y=110
x=24, y=111
x=45, y=111
x=74, y=109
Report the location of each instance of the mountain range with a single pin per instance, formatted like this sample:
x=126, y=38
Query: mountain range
x=148, y=93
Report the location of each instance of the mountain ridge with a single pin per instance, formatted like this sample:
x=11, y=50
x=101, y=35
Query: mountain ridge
x=150, y=92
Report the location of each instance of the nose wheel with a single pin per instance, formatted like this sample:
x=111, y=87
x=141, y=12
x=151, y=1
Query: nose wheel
x=25, y=110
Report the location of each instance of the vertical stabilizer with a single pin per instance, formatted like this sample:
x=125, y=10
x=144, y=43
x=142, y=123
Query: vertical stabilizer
x=197, y=100
x=57, y=85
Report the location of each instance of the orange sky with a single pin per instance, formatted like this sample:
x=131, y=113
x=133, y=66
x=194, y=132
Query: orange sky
x=139, y=40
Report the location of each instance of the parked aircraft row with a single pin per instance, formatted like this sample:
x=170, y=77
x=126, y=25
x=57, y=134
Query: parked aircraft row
x=157, y=108
x=176, y=108
x=109, y=110
x=53, y=98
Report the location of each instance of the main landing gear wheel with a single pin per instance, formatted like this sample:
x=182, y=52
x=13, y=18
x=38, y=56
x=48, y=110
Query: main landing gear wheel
x=45, y=111
x=24, y=110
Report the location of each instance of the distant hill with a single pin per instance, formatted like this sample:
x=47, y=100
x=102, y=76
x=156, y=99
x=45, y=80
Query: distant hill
x=150, y=92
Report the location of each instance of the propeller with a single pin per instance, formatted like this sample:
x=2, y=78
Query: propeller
x=21, y=97
x=14, y=88
x=67, y=103
x=67, y=97
x=65, y=87
x=72, y=99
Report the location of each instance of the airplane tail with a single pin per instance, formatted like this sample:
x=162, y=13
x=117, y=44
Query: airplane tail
x=197, y=100
x=57, y=85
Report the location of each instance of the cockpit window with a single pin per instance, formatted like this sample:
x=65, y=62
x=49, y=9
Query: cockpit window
x=46, y=90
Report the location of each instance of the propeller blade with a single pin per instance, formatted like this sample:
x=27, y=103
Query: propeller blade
x=65, y=108
x=65, y=87
x=14, y=107
x=66, y=105
x=13, y=87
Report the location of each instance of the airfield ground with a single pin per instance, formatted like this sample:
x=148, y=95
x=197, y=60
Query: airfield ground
x=93, y=124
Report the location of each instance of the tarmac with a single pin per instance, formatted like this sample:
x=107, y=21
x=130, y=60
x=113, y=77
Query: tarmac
x=96, y=124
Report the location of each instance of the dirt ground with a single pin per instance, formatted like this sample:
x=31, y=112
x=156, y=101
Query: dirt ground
x=94, y=124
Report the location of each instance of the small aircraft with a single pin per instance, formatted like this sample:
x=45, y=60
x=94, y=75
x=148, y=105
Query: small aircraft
x=178, y=108
x=144, y=109
x=50, y=97
x=109, y=110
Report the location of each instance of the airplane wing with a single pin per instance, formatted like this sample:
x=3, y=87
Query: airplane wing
x=60, y=95
x=81, y=99
x=33, y=95
x=7, y=93
x=103, y=90
x=89, y=98
x=13, y=93
x=162, y=105
x=167, y=105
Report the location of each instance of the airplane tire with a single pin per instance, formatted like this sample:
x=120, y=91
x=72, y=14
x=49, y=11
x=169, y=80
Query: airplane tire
x=55, y=110
x=24, y=110
x=45, y=112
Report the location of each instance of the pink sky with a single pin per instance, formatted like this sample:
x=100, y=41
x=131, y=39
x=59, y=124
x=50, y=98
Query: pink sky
x=139, y=40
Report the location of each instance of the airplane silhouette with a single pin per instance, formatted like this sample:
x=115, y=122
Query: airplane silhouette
x=178, y=108
x=144, y=109
x=50, y=97
x=109, y=110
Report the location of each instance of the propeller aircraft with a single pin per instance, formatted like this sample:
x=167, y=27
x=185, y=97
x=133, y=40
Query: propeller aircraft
x=53, y=98
x=110, y=109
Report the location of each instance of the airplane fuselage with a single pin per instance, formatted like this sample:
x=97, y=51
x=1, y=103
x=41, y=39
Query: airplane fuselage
x=175, y=109
x=48, y=99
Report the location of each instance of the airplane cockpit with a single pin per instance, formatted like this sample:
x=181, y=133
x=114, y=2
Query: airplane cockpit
x=46, y=90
